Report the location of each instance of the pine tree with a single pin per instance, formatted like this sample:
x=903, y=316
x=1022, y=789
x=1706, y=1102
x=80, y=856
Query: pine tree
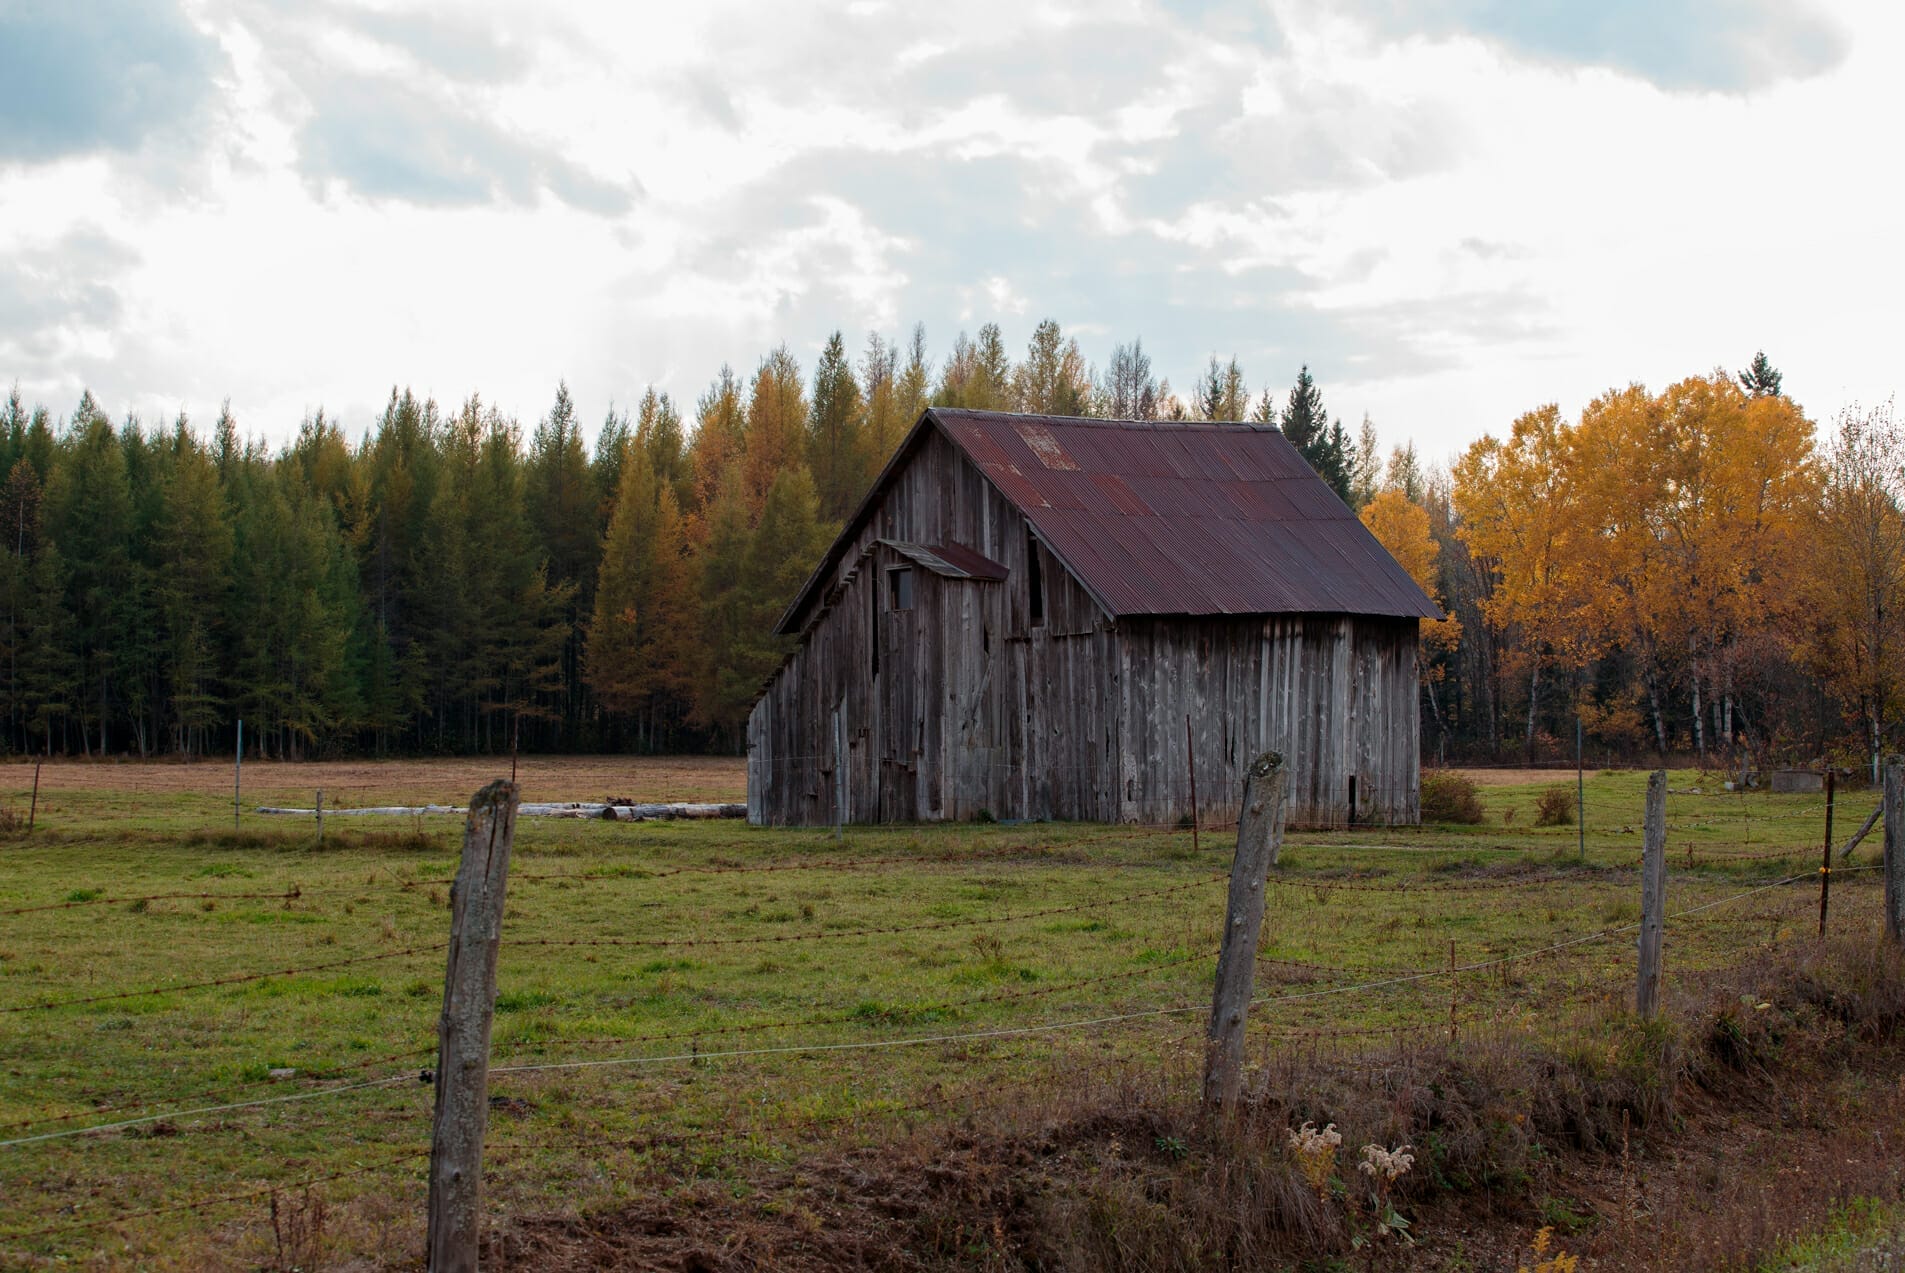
x=89, y=506
x=1322, y=443
x=1761, y=379
x=49, y=672
x=192, y=554
x=562, y=507
x=836, y=434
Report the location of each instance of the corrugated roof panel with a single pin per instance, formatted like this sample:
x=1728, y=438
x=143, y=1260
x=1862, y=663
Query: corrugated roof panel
x=1160, y=518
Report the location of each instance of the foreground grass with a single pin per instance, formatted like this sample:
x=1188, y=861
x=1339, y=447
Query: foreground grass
x=684, y=1021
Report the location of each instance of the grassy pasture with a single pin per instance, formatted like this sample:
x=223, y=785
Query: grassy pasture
x=656, y=949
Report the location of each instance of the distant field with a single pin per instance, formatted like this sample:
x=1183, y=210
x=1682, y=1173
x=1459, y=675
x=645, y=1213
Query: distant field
x=639, y=954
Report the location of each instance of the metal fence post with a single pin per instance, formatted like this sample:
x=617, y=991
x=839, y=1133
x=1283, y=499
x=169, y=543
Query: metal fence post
x=1653, y=897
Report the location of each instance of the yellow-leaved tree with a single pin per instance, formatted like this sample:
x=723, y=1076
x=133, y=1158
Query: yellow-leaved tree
x=1402, y=526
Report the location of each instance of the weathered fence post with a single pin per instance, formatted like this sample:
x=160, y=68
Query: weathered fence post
x=33, y=810
x=469, y=1001
x=238, y=771
x=1259, y=828
x=839, y=778
x=320, y=816
x=1894, y=842
x=1190, y=754
x=1825, y=857
x=1653, y=896
x=1865, y=829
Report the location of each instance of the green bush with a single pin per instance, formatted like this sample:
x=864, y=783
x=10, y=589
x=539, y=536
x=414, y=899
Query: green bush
x=1555, y=808
x=1450, y=797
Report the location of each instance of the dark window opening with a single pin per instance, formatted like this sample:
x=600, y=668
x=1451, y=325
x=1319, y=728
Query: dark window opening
x=899, y=588
x=1035, y=581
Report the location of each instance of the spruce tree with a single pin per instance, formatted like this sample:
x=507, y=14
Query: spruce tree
x=1761, y=379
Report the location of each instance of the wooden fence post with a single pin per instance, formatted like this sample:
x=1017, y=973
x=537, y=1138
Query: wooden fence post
x=1653, y=896
x=1825, y=858
x=238, y=771
x=1259, y=828
x=469, y=1002
x=1895, y=847
x=320, y=816
x=33, y=810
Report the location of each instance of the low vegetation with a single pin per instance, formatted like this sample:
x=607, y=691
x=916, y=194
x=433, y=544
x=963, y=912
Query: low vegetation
x=965, y=1113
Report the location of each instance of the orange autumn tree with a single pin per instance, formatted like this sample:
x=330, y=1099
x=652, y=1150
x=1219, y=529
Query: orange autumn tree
x=1695, y=499
x=1515, y=502
x=1402, y=527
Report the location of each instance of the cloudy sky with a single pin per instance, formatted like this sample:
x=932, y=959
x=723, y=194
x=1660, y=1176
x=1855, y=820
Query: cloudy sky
x=1453, y=210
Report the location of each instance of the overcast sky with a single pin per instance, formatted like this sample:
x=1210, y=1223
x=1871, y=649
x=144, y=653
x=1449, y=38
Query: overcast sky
x=1453, y=210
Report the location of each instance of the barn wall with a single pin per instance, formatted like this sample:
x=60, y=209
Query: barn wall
x=1336, y=695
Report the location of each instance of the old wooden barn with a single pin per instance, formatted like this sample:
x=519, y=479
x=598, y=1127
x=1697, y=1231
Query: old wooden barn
x=1025, y=610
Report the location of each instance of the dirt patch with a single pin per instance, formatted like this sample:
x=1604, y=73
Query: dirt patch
x=447, y=781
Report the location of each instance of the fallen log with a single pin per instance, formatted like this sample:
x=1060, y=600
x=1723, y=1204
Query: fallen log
x=1861, y=833
x=561, y=809
x=661, y=812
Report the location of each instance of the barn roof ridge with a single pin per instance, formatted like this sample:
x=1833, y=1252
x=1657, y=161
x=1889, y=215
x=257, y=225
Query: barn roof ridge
x=1183, y=518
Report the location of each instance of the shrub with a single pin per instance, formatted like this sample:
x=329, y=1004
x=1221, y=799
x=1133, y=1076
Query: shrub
x=1555, y=808
x=1450, y=797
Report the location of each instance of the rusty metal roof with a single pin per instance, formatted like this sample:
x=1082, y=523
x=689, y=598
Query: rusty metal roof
x=955, y=561
x=1160, y=518
x=1193, y=519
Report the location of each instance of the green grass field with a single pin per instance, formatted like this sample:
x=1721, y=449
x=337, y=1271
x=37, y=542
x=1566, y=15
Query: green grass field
x=690, y=965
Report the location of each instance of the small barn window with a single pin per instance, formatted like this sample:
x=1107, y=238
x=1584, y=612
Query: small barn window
x=1034, y=581
x=899, y=588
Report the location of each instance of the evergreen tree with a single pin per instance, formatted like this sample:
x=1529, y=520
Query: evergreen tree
x=562, y=512
x=1761, y=379
x=49, y=671
x=192, y=555
x=658, y=432
x=1365, y=465
x=617, y=676
x=1322, y=443
x=89, y=506
x=836, y=446
x=978, y=376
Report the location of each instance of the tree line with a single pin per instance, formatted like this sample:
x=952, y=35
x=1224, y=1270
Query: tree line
x=1692, y=571
x=1669, y=568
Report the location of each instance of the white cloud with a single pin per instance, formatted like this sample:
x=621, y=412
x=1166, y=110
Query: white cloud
x=1449, y=224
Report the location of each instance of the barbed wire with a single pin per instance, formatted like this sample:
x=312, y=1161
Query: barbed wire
x=233, y=980
x=240, y=1085
x=672, y=943
x=289, y=895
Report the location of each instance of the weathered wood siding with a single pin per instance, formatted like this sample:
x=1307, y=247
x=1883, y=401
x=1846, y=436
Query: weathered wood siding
x=973, y=708
x=1335, y=694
